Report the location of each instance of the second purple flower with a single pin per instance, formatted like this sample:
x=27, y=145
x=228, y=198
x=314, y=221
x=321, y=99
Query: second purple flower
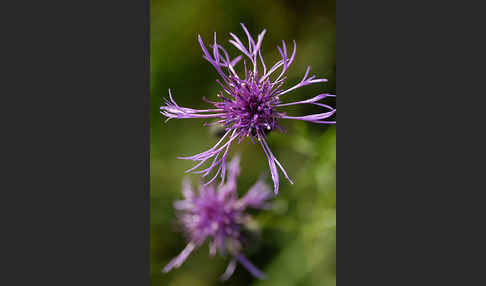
x=218, y=215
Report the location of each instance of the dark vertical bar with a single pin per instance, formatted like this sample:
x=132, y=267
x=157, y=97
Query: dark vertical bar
x=76, y=190
x=411, y=143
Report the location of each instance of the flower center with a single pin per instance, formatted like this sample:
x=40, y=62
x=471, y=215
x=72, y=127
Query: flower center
x=216, y=218
x=252, y=109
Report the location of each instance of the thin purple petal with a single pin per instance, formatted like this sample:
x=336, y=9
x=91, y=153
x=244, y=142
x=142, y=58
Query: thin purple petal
x=229, y=270
x=250, y=267
x=178, y=260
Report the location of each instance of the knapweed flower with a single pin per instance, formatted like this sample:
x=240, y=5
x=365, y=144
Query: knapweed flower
x=249, y=103
x=216, y=214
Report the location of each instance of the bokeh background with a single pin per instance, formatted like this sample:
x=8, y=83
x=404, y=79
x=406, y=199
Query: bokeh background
x=296, y=241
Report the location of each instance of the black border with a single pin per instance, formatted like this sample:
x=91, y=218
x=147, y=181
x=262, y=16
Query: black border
x=410, y=143
x=75, y=191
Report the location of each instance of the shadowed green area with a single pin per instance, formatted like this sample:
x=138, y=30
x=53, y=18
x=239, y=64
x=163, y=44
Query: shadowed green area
x=295, y=242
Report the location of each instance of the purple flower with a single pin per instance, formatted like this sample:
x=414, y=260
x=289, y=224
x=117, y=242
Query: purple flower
x=218, y=215
x=248, y=106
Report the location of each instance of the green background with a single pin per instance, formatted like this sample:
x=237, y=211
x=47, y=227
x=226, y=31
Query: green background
x=295, y=242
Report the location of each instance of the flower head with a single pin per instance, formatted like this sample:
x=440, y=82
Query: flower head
x=217, y=214
x=249, y=104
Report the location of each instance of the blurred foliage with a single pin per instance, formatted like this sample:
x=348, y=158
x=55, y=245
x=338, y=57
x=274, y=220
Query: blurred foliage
x=295, y=244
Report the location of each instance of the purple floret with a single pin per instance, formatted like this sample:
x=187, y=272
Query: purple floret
x=217, y=214
x=248, y=106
